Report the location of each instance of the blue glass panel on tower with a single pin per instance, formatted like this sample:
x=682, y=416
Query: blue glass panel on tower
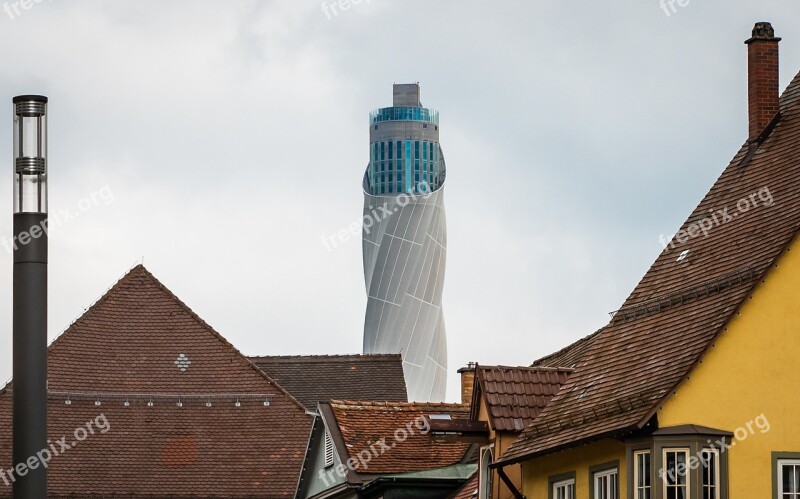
x=405, y=245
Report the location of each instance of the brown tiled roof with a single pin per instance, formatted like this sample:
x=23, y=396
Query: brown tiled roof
x=679, y=307
x=569, y=355
x=469, y=490
x=514, y=396
x=364, y=424
x=125, y=347
x=317, y=378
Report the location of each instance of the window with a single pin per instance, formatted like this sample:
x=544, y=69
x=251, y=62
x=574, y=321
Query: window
x=605, y=484
x=408, y=166
x=328, y=450
x=485, y=477
x=675, y=474
x=788, y=478
x=564, y=489
x=709, y=484
x=642, y=488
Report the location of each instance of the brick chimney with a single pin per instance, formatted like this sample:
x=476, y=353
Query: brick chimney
x=762, y=81
x=467, y=382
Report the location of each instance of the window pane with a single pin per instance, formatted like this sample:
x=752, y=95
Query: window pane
x=794, y=472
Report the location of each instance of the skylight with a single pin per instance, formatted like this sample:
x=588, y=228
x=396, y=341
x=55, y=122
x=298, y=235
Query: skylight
x=441, y=417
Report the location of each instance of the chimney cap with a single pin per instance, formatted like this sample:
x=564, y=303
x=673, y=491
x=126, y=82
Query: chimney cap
x=470, y=367
x=763, y=32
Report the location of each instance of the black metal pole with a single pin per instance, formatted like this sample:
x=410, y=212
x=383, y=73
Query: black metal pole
x=30, y=299
x=30, y=357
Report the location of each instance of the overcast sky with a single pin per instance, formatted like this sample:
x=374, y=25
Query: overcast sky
x=220, y=141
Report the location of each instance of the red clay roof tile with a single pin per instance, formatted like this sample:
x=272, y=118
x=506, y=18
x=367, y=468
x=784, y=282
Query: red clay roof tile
x=514, y=396
x=315, y=378
x=125, y=347
x=364, y=424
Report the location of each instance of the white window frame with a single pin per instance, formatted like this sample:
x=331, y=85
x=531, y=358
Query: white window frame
x=485, y=473
x=643, y=488
x=604, y=493
x=570, y=488
x=703, y=470
x=688, y=481
x=781, y=464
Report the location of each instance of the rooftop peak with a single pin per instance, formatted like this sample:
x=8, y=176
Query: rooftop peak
x=406, y=94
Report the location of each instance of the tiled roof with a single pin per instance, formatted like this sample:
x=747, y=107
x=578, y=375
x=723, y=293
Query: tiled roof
x=514, y=396
x=682, y=304
x=363, y=424
x=317, y=378
x=469, y=490
x=127, y=347
x=569, y=355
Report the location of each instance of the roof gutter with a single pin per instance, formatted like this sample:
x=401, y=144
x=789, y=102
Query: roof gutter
x=503, y=462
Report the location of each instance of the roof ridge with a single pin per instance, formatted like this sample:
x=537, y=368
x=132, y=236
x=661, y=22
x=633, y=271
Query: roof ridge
x=403, y=405
x=537, y=362
x=526, y=368
x=354, y=356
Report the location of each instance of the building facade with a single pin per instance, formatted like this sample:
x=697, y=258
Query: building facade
x=405, y=242
x=690, y=390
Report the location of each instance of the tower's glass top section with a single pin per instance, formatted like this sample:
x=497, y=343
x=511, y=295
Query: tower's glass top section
x=404, y=113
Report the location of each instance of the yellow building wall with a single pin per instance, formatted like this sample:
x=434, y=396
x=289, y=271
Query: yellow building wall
x=753, y=370
x=502, y=442
x=536, y=472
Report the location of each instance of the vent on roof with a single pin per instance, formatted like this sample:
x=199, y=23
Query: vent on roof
x=682, y=256
x=440, y=417
x=328, y=449
x=183, y=362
